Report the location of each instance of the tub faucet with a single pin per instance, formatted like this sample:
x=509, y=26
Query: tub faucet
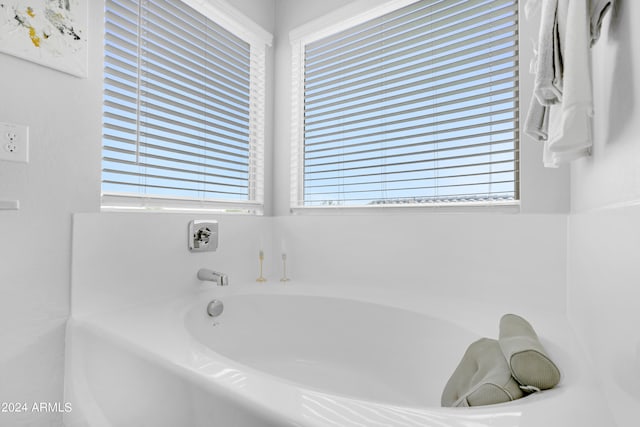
x=213, y=276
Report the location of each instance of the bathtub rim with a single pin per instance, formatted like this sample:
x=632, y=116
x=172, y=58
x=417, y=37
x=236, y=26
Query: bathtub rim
x=110, y=326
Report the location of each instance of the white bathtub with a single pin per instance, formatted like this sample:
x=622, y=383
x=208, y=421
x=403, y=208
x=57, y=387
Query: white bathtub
x=295, y=355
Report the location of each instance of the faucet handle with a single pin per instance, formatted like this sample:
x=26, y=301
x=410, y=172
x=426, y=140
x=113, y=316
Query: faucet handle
x=203, y=236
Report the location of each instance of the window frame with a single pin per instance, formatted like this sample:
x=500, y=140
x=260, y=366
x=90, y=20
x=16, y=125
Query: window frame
x=236, y=23
x=334, y=23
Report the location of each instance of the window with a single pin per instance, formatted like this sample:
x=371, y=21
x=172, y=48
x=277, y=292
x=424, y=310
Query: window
x=183, y=115
x=416, y=105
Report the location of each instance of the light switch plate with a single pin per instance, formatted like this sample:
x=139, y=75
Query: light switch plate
x=14, y=142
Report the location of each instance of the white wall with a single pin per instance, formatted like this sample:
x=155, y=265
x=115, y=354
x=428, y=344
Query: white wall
x=604, y=302
x=611, y=176
x=516, y=261
x=604, y=231
x=122, y=260
x=62, y=177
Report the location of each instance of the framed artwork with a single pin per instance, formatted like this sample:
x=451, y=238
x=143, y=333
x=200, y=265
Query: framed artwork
x=52, y=33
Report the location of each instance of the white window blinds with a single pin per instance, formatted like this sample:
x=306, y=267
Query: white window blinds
x=417, y=106
x=183, y=109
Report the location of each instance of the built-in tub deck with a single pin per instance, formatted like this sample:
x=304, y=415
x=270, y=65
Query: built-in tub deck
x=296, y=355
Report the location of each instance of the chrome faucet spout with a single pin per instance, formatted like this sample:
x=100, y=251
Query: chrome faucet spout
x=220, y=279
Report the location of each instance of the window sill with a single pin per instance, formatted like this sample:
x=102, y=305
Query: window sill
x=121, y=203
x=510, y=207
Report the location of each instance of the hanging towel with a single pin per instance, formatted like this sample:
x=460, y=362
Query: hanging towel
x=531, y=7
x=598, y=10
x=548, y=80
x=560, y=114
x=536, y=124
x=570, y=121
x=547, y=65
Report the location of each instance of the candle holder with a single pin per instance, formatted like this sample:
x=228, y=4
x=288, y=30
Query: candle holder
x=284, y=269
x=261, y=278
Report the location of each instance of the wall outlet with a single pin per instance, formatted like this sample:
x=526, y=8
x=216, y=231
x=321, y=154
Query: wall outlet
x=14, y=142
